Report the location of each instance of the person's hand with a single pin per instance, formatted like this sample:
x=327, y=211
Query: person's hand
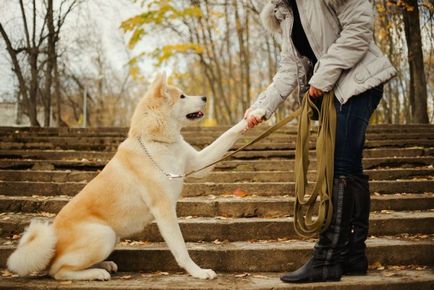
x=314, y=92
x=254, y=117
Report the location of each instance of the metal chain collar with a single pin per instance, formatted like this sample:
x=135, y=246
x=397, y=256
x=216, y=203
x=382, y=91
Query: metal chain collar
x=167, y=174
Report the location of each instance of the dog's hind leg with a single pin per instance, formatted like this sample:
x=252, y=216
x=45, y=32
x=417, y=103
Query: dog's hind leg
x=164, y=212
x=94, y=245
x=88, y=274
x=109, y=266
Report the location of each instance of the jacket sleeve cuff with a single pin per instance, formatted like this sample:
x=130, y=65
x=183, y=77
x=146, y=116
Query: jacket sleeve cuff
x=320, y=83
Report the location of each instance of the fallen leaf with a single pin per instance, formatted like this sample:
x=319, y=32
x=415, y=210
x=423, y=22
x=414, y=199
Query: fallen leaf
x=46, y=214
x=162, y=273
x=377, y=266
x=238, y=192
x=221, y=218
x=66, y=282
x=6, y=273
x=260, y=276
x=242, y=275
x=126, y=277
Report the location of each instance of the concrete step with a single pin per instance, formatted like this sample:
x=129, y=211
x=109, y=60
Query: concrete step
x=216, y=176
x=203, y=138
x=392, y=278
x=282, y=165
x=246, y=229
x=240, y=165
x=259, y=256
x=109, y=144
x=284, y=154
x=285, y=135
x=17, y=188
x=228, y=205
x=123, y=131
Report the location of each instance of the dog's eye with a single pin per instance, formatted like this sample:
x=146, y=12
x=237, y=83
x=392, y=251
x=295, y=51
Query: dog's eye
x=182, y=97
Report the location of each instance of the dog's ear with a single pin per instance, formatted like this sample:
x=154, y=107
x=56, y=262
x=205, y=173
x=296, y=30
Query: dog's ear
x=159, y=85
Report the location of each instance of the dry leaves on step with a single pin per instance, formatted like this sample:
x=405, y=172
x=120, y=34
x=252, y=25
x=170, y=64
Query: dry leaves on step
x=46, y=214
x=260, y=276
x=377, y=266
x=6, y=273
x=239, y=193
x=221, y=218
x=133, y=243
x=65, y=282
x=218, y=242
x=243, y=275
x=159, y=273
x=40, y=197
x=125, y=277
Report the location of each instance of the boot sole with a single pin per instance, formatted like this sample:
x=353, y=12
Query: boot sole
x=356, y=274
x=310, y=280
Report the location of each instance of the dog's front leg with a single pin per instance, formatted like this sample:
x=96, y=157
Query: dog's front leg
x=165, y=216
x=217, y=149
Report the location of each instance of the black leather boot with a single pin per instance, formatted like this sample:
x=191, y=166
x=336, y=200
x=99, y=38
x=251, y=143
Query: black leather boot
x=326, y=262
x=355, y=261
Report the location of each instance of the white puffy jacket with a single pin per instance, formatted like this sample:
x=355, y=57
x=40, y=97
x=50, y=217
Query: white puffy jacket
x=340, y=33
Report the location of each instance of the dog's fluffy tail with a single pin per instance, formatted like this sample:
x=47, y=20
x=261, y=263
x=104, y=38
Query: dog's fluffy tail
x=35, y=249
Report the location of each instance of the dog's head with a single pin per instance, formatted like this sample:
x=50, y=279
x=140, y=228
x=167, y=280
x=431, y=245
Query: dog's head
x=164, y=110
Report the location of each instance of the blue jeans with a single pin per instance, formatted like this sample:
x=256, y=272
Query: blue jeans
x=352, y=120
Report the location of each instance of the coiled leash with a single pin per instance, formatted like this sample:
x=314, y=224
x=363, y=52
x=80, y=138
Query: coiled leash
x=304, y=222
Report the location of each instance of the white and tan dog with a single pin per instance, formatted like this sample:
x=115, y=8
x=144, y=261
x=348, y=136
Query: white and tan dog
x=128, y=194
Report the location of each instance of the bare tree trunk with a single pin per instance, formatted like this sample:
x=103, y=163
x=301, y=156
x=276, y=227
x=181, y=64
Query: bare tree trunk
x=13, y=53
x=51, y=56
x=418, y=90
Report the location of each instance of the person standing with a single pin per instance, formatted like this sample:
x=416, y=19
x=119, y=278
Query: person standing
x=328, y=45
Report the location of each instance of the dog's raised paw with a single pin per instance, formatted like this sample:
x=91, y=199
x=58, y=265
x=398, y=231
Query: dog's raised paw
x=204, y=274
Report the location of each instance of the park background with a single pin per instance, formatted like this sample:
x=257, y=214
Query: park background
x=61, y=60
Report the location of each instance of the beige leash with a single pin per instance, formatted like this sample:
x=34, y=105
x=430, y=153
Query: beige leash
x=263, y=135
x=305, y=222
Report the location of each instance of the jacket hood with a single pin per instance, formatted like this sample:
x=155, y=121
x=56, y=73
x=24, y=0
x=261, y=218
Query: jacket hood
x=268, y=14
x=268, y=19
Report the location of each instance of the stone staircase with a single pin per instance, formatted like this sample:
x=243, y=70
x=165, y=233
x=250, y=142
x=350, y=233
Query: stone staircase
x=238, y=221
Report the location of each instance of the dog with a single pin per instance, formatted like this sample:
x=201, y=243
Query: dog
x=134, y=188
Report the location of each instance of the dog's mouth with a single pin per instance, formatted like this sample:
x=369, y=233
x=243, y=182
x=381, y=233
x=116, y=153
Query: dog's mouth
x=195, y=115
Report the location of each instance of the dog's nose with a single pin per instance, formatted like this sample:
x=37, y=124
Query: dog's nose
x=204, y=99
